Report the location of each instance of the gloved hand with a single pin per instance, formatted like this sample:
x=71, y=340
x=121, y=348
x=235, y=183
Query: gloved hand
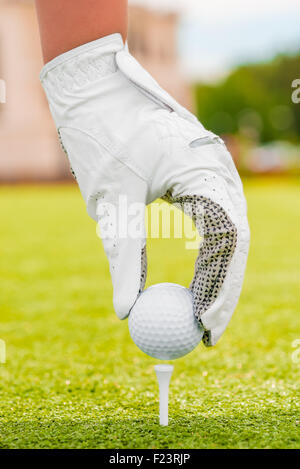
x=126, y=138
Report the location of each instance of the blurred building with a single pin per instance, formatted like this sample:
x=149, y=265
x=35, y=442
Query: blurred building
x=152, y=39
x=28, y=142
x=29, y=148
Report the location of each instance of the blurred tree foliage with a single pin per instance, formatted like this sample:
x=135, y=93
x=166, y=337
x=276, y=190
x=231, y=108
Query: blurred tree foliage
x=255, y=101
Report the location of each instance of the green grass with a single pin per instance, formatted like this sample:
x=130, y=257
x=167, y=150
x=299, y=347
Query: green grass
x=73, y=377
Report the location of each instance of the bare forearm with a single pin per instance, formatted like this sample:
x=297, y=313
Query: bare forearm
x=65, y=24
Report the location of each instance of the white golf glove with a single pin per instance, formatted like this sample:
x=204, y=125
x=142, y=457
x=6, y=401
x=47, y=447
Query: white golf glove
x=126, y=138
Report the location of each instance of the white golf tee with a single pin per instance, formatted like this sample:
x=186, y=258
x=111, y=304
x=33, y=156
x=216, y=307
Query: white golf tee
x=163, y=373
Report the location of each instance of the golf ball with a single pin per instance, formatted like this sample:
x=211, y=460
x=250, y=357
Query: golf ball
x=162, y=322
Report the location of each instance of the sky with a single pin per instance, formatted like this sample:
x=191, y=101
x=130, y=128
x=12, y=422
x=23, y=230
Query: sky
x=217, y=35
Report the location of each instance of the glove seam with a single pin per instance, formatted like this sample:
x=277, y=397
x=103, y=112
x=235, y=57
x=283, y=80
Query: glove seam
x=131, y=166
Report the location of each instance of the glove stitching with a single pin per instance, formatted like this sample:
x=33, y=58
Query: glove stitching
x=116, y=151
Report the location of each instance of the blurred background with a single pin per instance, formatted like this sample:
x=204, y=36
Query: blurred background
x=73, y=377
x=231, y=63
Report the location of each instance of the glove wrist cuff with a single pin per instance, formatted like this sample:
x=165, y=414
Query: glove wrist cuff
x=83, y=64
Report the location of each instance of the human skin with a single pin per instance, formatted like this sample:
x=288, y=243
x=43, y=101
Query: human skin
x=66, y=24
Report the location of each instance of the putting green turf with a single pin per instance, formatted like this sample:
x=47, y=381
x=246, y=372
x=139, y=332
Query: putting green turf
x=74, y=379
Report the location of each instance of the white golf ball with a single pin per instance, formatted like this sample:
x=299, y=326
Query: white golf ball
x=162, y=322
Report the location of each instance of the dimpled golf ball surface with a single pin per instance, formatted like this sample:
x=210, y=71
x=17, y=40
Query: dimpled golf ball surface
x=162, y=322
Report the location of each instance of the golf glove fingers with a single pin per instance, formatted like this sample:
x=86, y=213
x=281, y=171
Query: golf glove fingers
x=129, y=143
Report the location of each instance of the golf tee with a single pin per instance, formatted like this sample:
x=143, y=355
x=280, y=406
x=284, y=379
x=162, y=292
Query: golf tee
x=163, y=373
